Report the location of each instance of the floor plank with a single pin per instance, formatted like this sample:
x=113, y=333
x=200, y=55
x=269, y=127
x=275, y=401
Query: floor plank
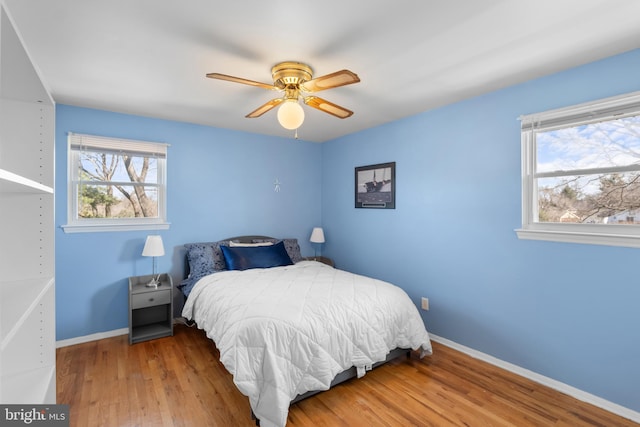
x=179, y=381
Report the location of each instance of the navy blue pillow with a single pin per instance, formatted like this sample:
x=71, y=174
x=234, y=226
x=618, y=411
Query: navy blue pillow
x=291, y=245
x=244, y=258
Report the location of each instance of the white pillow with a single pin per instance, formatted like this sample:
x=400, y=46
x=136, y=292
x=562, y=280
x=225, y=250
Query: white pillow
x=248, y=245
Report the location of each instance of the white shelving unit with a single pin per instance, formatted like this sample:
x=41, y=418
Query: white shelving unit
x=27, y=289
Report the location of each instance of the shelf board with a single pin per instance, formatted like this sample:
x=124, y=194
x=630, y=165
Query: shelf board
x=153, y=330
x=13, y=183
x=17, y=299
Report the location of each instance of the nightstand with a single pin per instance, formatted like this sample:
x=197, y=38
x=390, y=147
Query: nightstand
x=150, y=308
x=322, y=259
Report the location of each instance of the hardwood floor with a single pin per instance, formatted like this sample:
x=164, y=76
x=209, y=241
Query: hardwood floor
x=178, y=381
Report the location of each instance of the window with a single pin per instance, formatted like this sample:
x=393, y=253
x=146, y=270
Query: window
x=115, y=184
x=581, y=173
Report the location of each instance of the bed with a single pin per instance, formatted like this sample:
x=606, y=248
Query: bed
x=287, y=328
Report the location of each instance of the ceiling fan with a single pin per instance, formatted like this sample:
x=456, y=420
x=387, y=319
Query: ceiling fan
x=296, y=80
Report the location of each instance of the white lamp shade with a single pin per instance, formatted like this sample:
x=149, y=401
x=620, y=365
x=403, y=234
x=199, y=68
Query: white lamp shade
x=153, y=246
x=317, y=235
x=290, y=114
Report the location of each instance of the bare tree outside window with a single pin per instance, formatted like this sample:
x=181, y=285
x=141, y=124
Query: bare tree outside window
x=117, y=186
x=590, y=173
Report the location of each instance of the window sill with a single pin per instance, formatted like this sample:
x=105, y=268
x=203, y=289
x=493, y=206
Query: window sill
x=94, y=228
x=579, y=236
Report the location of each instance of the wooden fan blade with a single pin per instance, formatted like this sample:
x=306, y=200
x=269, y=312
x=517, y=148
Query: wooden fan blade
x=264, y=108
x=328, y=107
x=337, y=79
x=241, y=80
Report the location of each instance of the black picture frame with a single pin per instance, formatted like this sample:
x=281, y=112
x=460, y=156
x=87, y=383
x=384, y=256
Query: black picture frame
x=375, y=186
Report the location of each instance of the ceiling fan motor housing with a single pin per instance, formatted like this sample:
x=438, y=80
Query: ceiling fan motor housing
x=286, y=74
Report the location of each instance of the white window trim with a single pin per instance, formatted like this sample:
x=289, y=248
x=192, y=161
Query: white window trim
x=611, y=235
x=75, y=225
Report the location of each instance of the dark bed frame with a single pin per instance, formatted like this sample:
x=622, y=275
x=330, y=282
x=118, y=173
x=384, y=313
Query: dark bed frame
x=342, y=376
x=352, y=372
x=346, y=375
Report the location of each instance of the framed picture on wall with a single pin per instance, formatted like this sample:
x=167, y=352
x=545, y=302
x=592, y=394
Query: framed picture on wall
x=376, y=186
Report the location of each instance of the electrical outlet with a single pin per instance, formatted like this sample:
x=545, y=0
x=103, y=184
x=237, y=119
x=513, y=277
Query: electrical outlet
x=425, y=303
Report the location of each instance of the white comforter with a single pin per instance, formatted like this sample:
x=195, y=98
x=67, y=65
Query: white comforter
x=286, y=330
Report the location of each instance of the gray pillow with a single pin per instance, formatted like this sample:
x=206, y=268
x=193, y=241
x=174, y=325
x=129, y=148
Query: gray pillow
x=205, y=258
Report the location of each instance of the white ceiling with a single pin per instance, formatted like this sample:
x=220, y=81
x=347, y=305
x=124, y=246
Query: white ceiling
x=150, y=57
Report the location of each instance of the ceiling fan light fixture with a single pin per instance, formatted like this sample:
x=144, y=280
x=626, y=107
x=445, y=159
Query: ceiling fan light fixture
x=290, y=114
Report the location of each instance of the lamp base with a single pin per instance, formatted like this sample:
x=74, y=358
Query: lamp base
x=153, y=283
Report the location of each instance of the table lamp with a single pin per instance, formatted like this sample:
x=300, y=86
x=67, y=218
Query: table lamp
x=317, y=236
x=153, y=247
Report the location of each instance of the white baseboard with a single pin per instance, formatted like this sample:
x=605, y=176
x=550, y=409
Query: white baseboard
x=92, y=337
x=102, y=335
x=541, y=379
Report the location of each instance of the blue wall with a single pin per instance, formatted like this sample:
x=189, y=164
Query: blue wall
x=220, y=184
x=566, y=311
